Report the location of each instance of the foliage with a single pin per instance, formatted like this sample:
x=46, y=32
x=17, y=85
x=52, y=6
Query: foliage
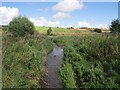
x=97, y=30
x=21, y=26
x=94, y=61
x=68, y=78
x=115, y=26
x=23, y=65
x=49, y=31
x=5, y=27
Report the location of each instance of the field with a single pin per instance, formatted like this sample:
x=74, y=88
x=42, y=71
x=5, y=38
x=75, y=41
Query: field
x=56, y=31
x=91, y=60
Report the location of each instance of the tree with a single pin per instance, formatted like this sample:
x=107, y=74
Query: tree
x=21, y=26
x=49, y=31
x=97, y=30
x=115, y=26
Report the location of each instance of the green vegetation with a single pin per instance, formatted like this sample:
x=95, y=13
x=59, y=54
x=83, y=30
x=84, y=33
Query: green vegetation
x=21, y=26
x=97, y=30
x=23, y=60
x=49, y=31
x=90, y=61
x=5, y=27
x=68, y=76
x=115, y=26
x=64, y=31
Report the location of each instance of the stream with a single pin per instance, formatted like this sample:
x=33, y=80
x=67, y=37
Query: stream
x=53, y=64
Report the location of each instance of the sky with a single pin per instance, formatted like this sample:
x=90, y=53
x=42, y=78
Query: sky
x=65, y=13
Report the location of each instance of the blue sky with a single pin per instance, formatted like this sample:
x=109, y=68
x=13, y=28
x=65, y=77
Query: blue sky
x=91, y=13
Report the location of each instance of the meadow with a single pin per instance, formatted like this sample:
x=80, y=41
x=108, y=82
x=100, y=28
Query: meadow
x=57, y=31
x=91, y=60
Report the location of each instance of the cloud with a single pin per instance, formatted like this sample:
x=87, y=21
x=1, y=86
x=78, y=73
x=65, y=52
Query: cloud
x=44, y=22
x=68, y=5
x=54, y=24
x=61, y=15
x=87, y=24
x=83, y=24
x=104, y=26
x=7, y=14
x=39, y=22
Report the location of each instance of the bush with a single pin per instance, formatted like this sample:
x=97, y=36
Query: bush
x=115, y=26
x=21, y=26
x=93, y=60
x=49, y=31
x=97, y=30
x=5, y=27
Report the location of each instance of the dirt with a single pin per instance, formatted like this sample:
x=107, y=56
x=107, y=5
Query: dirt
x=53, y=64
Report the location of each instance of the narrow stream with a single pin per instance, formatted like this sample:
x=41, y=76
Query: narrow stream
x=53, y=64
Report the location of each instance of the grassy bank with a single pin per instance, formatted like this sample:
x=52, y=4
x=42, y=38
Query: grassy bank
x=23, y=60
x=90, y=61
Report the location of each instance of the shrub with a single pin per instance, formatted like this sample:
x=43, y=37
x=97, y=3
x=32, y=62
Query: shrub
x=97, y=30
x=5, y=27
x=115, y=26
x=49, y=31
x=94, y=61
x=21, y=26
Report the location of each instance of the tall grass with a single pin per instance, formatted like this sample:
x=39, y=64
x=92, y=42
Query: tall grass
x=23, y=60
x=94, y=61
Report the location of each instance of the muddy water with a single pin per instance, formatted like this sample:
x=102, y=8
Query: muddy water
x=53, y=64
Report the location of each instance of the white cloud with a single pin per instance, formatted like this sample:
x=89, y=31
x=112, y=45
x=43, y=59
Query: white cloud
x=54, y=24
x=83, y=24
x=104, y=26
x=61, y=15
x=87, y=24
x=69, y=26
x=7, y=14
x=39, y=22
x=68, y=5
x=44, y=22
